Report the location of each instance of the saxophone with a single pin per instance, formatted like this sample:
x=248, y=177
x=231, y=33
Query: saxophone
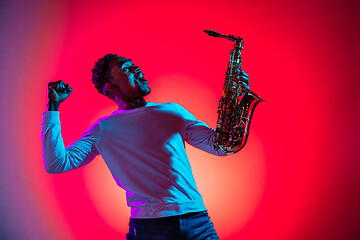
x=237, y=103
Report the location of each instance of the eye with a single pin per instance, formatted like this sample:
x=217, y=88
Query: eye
x=134, y=69
x=125, y=69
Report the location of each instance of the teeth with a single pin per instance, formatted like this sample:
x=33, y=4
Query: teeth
x=141, y=77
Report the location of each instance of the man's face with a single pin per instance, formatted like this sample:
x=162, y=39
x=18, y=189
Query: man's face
x=128, y=80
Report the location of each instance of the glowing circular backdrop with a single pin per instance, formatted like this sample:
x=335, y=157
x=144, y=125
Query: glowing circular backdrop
x=297, y=177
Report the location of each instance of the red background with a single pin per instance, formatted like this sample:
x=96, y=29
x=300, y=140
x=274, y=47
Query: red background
x=298, y=176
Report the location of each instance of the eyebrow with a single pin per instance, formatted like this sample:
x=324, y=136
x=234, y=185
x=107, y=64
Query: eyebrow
x=130, y=61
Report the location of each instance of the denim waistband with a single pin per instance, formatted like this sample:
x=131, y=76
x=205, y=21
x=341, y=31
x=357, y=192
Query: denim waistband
x=167, y=219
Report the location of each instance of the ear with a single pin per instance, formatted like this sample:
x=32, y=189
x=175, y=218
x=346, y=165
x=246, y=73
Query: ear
x=109, y=86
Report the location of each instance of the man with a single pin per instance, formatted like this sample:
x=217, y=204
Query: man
x=142, y=143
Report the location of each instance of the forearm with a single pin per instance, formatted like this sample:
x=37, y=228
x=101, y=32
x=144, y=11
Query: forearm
x=57, y=157
x=53, y=106
x=202, y=136
x=54, y=152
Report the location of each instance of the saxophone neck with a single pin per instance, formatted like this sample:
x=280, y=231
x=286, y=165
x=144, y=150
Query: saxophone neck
x=239, y=45
x=233, y=38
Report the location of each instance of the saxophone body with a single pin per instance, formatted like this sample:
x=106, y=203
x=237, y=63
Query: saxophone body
x=236, y=104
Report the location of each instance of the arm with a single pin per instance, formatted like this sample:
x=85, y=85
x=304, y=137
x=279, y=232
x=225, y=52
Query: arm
x=197, y=133
x=57, y=157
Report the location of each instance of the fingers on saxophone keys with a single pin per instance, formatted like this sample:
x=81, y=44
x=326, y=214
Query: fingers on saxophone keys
x=243, y=79
x=242, y=73
x=246, y=85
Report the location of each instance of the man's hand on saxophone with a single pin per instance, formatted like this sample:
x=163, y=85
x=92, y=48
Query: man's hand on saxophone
x=243, y=78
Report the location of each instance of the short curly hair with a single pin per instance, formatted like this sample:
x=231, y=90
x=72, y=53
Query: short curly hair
x=100, y=73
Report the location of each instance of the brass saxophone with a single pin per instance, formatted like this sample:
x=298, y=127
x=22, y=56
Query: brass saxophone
x=237, y=103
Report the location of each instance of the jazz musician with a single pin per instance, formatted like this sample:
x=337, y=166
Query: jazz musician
x=142, y=143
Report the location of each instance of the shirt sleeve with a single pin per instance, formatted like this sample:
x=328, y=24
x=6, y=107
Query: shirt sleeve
x=198, y=134
x=57, y=157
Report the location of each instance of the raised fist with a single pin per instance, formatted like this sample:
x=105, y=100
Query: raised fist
x=58, y=91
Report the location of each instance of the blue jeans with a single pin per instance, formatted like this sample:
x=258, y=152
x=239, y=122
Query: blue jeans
x=191, y=226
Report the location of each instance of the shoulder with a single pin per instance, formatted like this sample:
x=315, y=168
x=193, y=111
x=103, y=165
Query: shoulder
x=182, y=111
x=169, y=106
x=175, y=106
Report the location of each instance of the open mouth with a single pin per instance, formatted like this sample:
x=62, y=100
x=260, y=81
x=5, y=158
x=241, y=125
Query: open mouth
x=141, y=77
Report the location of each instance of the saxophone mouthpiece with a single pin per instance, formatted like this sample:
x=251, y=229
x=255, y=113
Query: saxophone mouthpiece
x=211, y=33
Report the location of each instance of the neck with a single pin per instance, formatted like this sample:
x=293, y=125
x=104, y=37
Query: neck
x=125, y=105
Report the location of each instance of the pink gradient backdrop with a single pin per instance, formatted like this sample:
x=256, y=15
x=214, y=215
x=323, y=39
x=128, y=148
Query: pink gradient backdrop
x=298, y=177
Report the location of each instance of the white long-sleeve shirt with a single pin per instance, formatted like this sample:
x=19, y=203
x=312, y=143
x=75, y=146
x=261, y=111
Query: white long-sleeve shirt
x=144, y=148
